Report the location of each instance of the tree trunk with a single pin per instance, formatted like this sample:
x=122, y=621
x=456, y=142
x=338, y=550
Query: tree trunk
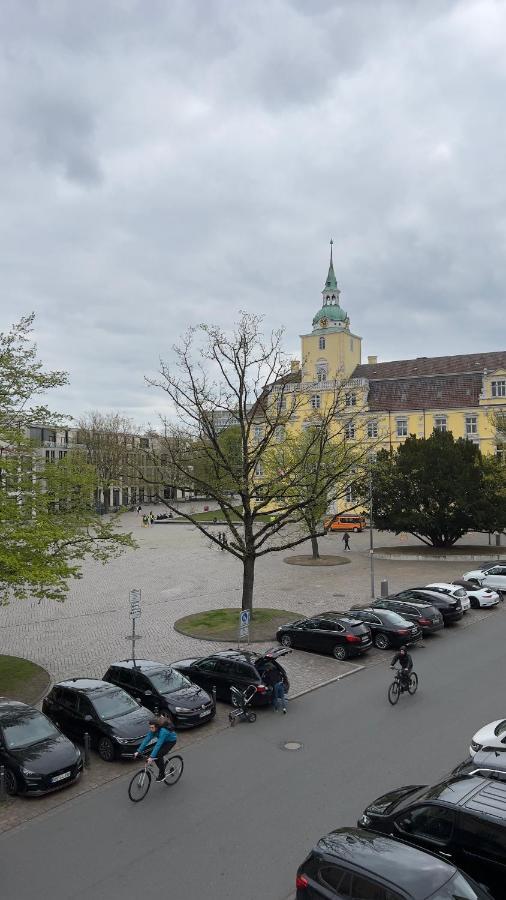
x=314, y=546
x=248, y=579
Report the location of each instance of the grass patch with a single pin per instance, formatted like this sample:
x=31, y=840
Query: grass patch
x=223, y=624
x=21, y=679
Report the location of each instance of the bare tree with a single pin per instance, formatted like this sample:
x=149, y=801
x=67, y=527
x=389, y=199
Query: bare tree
x=247, y=379
x=107, y=439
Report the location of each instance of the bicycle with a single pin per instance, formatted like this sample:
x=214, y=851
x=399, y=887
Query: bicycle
x=399, y=686
x=141, y=781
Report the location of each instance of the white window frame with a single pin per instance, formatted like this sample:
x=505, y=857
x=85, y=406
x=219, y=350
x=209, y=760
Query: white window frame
x=443, y=423
x=499, y=387
x=350, y=399
x=471, y=425
x=258, y=432
x=321, y=372
x=349, y=431
x=321, y=343
x=316, y=401
x=402, y=423
x=281, y=402
x=372, y=429
x=348, y=494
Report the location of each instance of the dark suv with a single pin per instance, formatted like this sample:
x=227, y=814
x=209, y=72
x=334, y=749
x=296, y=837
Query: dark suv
x=426, y=616
x=238, y=668
x=115, y=723
x=463, y=819
x=449, y=607
x=163, y=689
x=352, y=864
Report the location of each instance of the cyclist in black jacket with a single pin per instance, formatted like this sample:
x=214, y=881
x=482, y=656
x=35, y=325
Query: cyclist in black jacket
x=406, y=663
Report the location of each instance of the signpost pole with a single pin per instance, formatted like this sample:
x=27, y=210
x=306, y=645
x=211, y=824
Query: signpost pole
x=135, y=611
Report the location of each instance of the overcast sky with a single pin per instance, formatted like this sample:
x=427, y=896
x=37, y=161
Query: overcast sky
x=167, y=162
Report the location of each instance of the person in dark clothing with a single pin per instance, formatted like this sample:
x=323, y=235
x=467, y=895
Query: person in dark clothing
x=346, y=539
x=406, y=663
x=165, y=739
x=273, y=678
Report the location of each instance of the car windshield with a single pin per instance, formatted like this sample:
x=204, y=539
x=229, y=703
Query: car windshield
x=112, y=704
x=393, y=618
x=500, y=729
x=168, y=680
x=458, y=888
x=26, y=729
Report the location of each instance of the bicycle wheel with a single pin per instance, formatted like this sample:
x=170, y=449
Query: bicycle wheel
x=173, y=770
x=413, y=683
x=394, y=692
x=139, y=785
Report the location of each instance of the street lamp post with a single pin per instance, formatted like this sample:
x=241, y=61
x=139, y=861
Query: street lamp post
x=371, y=535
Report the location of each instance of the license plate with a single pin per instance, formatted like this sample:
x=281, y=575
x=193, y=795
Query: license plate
x=61, y=777
x=205, y=712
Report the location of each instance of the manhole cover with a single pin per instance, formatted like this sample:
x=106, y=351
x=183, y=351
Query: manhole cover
x=292, y=745
x=338, y=595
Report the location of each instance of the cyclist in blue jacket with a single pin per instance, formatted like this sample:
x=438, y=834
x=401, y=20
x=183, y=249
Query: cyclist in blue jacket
x=165, y=740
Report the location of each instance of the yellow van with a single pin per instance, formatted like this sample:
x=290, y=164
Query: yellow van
x=345, y=522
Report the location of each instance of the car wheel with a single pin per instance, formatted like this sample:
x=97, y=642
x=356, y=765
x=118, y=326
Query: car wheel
x=106, y=749
x=475, y=604
x=11, y=783
x=381, y=641
x=286, y=640
x=474, y=581
x=339, y=652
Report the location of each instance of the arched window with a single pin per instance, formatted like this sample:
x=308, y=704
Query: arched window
x=321, y=343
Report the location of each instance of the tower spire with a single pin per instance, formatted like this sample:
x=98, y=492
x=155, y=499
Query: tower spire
x=331, y=283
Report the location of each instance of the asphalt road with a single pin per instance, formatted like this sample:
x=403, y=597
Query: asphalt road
x=246, y=811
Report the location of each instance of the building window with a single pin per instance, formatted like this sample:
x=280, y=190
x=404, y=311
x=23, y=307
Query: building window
x=144, y=443
x=321, y=372
x=141, y=495
x=62, y=454
x=349, y=494
x=315, y=401
x=124, y=497
x=349, y=430
x=471, y=424
x=259, y=469
x=500, y=452
x=258, y=432
x=321, y=343
x=499, y=388
x=350, y=399
x=372, y=429
x=133, y=495
x=402, y=427
x=281, y=403
x=280, y=434
x=439, y=423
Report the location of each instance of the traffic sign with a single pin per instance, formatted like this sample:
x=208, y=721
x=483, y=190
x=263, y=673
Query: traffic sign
x=135, y=603
x=244, y=618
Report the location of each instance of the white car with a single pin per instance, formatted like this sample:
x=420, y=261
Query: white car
x=451, y=590
x=480, y=597
x=493, y=577
x=490, y=737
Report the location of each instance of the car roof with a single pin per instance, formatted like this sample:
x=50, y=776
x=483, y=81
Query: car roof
x=144, y=665
x=342, y=617
x=86, y=685
x=416, y=871
x=475, y=793
x=417, y=603
x=8, y=708
x=443, y=584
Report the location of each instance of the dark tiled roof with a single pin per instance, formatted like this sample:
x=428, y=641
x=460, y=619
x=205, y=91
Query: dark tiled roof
x=439, y=392
x=433, y=365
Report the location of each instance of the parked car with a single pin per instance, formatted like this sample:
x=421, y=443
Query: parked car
x=463, y=819
x=449, y=607
x=344, y=523
x=451, y=590
x=161, y=688
x=338, y=635
x=426, y=616
x=388, y=628
x=114, y=721
x=490, y=737
x=37, y=757
x=234, y=668
x=479, y=597
x=494, y=576
x=352, y=863
x=491, y=763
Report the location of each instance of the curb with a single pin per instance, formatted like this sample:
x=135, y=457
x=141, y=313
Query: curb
x=316, y=687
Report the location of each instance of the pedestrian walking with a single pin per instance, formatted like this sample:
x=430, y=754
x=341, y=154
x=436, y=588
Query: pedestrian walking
x=145, y=521
x=151, y=517
x=139, y=509
x=346, y=539
x=224, y=541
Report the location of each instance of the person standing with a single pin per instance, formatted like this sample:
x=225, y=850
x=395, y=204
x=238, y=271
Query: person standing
x=273, y=677
x=139, y=509
x=151, y=517
x=346, y=539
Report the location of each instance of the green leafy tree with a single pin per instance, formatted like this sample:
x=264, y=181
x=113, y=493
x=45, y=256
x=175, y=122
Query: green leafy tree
x=47, y=520
x=437, y=489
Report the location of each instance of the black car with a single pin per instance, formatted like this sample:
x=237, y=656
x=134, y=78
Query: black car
x=238, y=668
x=114, y=721
x=351, y=863
x=388, y=628
x=338, y=635
x=463, y=819
x=449, y=607
x=163, y=689
x=426, y=616
x=37, y=757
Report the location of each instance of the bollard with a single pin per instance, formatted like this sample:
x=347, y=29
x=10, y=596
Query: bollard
x=86, y=750
x=2, y=783
x=213, y=692
x=384, y=588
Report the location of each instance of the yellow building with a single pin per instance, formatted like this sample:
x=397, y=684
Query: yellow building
x=387, y=401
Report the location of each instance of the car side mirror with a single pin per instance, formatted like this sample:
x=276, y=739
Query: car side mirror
x=148, y=693
x=88, y=718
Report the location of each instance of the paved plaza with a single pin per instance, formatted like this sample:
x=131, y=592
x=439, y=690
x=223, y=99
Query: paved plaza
x=180, y=574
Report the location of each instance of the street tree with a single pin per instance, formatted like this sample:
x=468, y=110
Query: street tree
x=245, y=379
x=106, y=439
x=437, y=489
x=47, y=518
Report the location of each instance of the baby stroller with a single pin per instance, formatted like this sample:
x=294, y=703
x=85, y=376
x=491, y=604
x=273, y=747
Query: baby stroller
x=242, y=700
